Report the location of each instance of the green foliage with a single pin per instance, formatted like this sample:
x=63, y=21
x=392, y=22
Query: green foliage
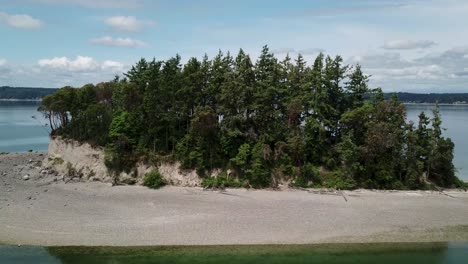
x=309, y=176
x=222, y=181
x=268, y=120
x=119, y=157
x=154, y=180
x=242, y=158
x=338, y=180
x=259, y=173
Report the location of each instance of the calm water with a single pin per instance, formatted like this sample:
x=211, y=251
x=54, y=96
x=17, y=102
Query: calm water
x=439, y=253
x=19, y=132
x=455, y=120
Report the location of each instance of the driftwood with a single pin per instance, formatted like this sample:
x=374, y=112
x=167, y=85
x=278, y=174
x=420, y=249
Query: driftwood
x=328, y=192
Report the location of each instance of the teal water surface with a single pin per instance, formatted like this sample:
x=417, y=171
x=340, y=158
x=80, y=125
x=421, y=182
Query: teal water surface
x=22, y=128
x=455, y=121
x=431, y=253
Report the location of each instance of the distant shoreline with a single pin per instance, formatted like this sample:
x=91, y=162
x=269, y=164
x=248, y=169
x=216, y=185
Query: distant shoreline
x=20, y=100
x=406, y=103
x=410, y=103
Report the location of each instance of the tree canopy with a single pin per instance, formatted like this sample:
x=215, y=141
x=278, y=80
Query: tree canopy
x=267, y=121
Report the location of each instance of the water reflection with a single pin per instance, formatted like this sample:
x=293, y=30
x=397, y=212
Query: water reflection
x=430, y=253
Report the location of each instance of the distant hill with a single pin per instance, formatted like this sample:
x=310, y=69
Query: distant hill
x=441, y=98
x=24, y=93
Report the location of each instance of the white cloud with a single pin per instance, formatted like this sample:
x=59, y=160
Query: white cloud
x=118, y=42
x=408, y=44
x=81, y=63
x=307, y=51
x=127, y=23
x=113, y=65
x=283, y=51
x=426, y=72
x=20, y=21
x=61, y=71
x=310, y=51
x=3, y=62
x=434, y=72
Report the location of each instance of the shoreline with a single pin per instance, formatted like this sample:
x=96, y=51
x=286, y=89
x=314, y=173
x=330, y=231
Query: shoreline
x=46, y=211
x=20, y=100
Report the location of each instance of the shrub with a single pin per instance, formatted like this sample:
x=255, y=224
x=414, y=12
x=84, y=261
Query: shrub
x=308, y=173
x=222, y=181
x=154, y=180
x=460, y=184
x=338, y=180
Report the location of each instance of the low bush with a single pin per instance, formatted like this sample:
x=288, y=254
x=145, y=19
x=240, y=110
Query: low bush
x=460, y=184
x=338, y=180
x=221, y=181
x=154, y=180
x=309, y=176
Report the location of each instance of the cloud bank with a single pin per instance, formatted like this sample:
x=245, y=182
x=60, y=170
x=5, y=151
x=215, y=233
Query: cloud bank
x=408, y=44
x=118, y=42
x=127, y=23
x=20, y=21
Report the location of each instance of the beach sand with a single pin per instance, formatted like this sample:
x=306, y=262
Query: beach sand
x=45, y=210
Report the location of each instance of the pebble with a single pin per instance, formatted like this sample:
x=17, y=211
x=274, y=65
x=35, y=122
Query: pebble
x=46, y=190
x=26, y=177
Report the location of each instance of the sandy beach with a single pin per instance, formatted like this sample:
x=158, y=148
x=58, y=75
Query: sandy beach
x=45, y=210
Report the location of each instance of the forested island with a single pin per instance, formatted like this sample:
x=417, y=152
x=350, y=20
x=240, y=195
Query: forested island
x=24, y=93
x=261, y=122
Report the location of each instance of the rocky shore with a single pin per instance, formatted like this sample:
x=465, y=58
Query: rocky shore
x=41, y=207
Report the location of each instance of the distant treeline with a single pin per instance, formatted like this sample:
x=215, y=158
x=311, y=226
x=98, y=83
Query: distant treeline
x=442, y=98
x=24, y=93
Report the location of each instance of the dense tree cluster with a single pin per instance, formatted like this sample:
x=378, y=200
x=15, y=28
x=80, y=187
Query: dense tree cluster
x=266, y=121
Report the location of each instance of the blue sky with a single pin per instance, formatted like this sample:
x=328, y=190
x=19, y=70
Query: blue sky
x=406, y=45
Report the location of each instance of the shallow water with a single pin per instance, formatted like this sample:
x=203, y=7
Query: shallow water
x=22, y=128
x=430, y=253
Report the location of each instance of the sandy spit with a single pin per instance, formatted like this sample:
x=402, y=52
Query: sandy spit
x=45, y=210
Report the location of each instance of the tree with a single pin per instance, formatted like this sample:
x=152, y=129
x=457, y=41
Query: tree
x=275, y=119
x=357, y=87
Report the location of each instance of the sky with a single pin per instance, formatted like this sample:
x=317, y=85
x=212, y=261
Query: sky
x=405, y=45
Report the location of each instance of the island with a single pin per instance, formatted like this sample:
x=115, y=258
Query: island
x=233, y=152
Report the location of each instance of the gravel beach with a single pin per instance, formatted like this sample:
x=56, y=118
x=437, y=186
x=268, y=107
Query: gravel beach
x=37, y=208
